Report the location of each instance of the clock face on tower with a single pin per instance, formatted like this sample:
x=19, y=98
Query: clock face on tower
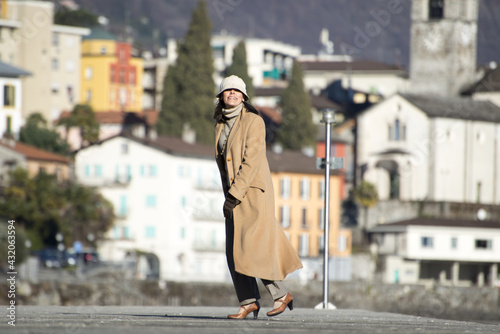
x=465, y=35
x=433, y=40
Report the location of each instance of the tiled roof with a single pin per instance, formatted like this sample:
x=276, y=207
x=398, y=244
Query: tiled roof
x=292, y=162
x=356, y=65
x=175, y=146
x=9, y=71
x=100, y=33
x=489, y=83
x=438, y=222
x=455, y=107
x=34, y=153
x=270, y=113
x=320, y=102
x=122, y=117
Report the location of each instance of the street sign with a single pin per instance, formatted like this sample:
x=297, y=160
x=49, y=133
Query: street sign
x=335, y=163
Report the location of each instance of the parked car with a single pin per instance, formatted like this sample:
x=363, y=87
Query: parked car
x=53, y=258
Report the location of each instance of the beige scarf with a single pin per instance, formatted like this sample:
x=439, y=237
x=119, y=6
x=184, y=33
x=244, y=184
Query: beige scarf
x=230, y=114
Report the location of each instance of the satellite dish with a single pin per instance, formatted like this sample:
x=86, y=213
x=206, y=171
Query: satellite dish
x=482, y=214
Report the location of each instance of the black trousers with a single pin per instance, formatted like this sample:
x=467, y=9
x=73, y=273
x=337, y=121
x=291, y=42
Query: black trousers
x=246, y=287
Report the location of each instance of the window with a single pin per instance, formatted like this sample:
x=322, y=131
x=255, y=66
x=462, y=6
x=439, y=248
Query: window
x=322, y=189
x=131, y=77
x=285, y=188
x=396, y=131
x=88, y=95
x=152, y=170
x=427, y=242
x=304, y=245
x=55, y=64
x=150, y=231
x=70, y=66
x=122, y=76
x=55, y=39
x=98, y=170
x=104, y=50
x=151, y=201
x=285, y=216
x=436, y=9
x=304, y=218
x=454, y=243
x=8, y=122
x=478, y=195
x=89, y=72
x=483, y=244
x=321, y=243
x=322, y=218
x=123, y=206
x=9, y=95
x=304, y=189
x=69, y=90
x=342, y=243
x=125, y=148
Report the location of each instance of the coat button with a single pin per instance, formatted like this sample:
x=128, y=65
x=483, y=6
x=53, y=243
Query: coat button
x=232, y=179
x=228, y=159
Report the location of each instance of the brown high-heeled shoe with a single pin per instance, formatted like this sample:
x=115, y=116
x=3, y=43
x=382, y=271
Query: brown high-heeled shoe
x=245, y=310
x=286, y=300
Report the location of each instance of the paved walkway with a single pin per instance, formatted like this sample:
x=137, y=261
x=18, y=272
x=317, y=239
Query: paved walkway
x=189, y=320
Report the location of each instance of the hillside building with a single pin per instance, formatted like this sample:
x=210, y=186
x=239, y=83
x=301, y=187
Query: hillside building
x=51, y=53
x=454, y=252
x=111, y=75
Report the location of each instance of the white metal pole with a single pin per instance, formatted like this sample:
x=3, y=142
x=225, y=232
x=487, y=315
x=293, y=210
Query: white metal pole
x=328, y=117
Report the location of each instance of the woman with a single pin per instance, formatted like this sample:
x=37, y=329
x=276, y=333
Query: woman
x=256, y=245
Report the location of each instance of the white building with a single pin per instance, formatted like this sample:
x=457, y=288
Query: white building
x=431, y=148
x=11, y=99
x=168, y=200
x=51, y=53
x=426, y=250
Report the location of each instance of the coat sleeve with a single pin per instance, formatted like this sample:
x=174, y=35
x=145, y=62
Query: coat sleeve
x=253, y=152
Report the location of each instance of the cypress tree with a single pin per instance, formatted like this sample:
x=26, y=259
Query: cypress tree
x=297, y=128
x=189, y=89
x=239, y=66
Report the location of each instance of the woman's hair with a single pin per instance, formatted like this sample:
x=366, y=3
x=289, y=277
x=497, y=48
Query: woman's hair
x=219, y=115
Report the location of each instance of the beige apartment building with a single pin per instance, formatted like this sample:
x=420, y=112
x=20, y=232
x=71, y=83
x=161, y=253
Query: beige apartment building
x=29, y=39
x=299, y=201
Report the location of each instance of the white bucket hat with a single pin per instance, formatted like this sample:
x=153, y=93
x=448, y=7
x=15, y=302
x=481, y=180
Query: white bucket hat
x=233, y=82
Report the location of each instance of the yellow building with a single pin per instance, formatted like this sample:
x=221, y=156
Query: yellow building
x=111, y=76
x=299, y=200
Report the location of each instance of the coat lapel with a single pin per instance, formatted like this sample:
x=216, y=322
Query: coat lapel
x=234, y=131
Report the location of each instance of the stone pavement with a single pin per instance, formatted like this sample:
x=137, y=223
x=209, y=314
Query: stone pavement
x=188, y=320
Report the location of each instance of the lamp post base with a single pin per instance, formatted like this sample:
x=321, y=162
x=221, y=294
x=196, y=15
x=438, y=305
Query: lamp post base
x=320, y=306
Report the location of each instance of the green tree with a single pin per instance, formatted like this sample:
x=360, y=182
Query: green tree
x=36, y=133
x=365, y=194
x=188, y=93
x=83, y=117
x=44, y=207
x=239, y=66
x=79, y=17
x=297, y=129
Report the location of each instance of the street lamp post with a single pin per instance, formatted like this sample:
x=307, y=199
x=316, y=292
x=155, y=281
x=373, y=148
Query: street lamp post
x=328, y=119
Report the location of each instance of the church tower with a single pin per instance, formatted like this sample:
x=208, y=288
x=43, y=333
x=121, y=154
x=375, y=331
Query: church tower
x=443, y=46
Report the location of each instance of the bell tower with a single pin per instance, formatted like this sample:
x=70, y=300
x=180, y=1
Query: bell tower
x=443, y=46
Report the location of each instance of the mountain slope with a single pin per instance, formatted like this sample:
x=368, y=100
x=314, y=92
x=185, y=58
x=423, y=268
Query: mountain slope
x=297, y=22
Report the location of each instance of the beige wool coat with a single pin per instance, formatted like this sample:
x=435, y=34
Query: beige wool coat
x=261, y=248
